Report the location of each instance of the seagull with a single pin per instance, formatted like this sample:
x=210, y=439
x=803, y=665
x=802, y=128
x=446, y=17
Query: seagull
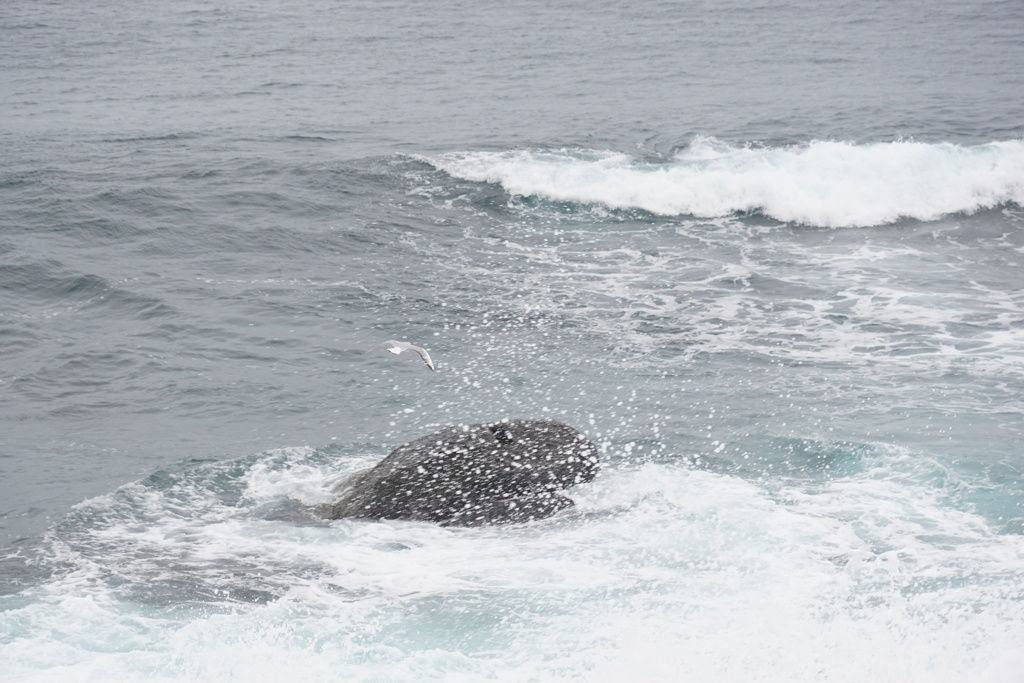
x=396, y=347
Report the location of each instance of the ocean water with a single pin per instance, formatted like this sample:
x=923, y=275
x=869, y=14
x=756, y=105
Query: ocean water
x=769, y=256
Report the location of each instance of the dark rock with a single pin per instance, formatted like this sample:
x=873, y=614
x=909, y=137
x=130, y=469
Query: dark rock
x=474, y=475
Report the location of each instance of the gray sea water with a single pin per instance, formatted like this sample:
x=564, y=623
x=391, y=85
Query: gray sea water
x=767, y=255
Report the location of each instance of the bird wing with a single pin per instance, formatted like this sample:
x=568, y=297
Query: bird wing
x=423, y=354
x=396, y=347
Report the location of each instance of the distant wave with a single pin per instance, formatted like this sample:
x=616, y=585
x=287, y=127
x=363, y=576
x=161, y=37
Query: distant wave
x=830, y=184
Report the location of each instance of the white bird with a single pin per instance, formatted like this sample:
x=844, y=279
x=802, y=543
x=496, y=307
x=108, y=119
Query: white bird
x=396, y=347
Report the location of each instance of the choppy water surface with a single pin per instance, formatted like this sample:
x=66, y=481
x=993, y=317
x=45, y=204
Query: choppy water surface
x=767, y=257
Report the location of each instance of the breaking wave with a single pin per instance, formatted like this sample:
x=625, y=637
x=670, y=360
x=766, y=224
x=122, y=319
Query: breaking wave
x=828, y=184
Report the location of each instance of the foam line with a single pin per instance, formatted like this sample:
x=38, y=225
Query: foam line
x=828, y=184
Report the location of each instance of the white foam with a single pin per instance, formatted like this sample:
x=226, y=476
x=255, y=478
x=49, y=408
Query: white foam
x=660, y=572
x=823, y=183
x=305, y=483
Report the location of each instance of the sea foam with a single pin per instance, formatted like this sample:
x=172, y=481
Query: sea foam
x=660, y=572
x=821, y=183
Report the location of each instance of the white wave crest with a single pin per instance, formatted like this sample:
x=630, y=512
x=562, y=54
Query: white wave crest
x=829, y=184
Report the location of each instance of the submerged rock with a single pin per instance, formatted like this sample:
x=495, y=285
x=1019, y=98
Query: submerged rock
x=474, y=475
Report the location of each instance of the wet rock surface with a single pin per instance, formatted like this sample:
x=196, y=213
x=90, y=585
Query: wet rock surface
x=473, y=475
